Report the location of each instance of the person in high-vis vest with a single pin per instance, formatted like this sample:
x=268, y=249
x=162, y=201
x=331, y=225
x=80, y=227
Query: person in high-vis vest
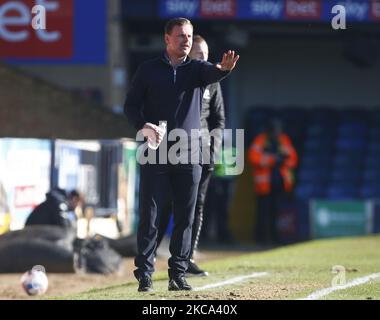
x=273, y=159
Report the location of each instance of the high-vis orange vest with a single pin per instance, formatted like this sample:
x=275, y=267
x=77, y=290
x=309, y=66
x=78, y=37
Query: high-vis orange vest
x=263, y=163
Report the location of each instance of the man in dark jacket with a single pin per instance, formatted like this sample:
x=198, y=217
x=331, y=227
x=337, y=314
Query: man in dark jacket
x=170, y=88
x=212, y=117
x=55, y=210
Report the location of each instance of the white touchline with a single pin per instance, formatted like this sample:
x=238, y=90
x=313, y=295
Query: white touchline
x=358, y=281
x=231, y=281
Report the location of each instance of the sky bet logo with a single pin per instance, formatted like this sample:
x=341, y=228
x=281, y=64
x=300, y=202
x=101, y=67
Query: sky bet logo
x=36, y=28
x=181, y=8
x=265, y=8
x=303, y=9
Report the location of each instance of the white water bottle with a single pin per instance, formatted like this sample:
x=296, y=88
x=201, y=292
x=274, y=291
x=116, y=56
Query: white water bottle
x=152, y=143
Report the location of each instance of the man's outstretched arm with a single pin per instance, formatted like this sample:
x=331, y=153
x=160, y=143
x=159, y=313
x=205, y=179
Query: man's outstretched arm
x=229, y=61
x=212, y=73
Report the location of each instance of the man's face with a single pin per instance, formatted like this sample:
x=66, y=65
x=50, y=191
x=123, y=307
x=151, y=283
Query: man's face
x=274, y=131
x=74, y=202
x=199, y=51
x=180, y=40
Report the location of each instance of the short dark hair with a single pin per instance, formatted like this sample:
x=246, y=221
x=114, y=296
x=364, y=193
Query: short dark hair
x=198, y=39
x=176, y=22
x=274, y=124
x=74, y=193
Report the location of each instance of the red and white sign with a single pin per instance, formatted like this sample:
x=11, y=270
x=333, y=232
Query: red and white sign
x=303, y=9
x=25, y=197
x=18, y=39
x=218, y=9
x=375, y=10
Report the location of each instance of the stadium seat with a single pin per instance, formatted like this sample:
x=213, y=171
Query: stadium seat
x=345, y=175
x=306, y=191
x=314, y=161
x=375, y=117
x=318, y=146
x=354, y=114
x=374, y=134
x=352, y=160
x=370, y=190
x=351, y=144
x=295, y=131
x=320, y=131
x=342, y=191
x=353, y=130
x=324, y=115
x=372, y=162
x=317, y=175
x=293, y=115
x=373, y=149
x=260, y=114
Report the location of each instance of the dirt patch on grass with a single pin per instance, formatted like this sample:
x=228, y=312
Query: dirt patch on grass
x=258, y=292
x=65, y=284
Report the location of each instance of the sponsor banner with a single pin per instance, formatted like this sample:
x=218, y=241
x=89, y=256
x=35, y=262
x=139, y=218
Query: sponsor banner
x=356, y=10
x=303, y=10
x=340, y=218
x=271, y=10
x=221, y=9
x=261, y=9
x=179, y=8
x=19, y=40
x=75, y=32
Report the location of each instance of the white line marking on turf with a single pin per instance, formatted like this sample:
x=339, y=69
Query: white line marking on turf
x=231, y=281
x=358, y=281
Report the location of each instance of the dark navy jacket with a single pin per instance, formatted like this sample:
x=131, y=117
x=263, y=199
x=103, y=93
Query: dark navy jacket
x=160, y=92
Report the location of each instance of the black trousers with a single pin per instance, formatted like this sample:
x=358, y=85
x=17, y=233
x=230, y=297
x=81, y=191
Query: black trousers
x=216, y=211
x=267, y=214
x=164, y=218
x=157, y=183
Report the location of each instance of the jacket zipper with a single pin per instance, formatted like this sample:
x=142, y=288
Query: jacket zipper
x=174, y=74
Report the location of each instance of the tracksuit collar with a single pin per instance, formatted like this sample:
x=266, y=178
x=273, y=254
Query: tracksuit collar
x=166, y=59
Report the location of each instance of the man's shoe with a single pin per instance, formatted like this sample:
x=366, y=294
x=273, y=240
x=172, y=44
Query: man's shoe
x=194, y=271
x=178, y=284
x=145, y=284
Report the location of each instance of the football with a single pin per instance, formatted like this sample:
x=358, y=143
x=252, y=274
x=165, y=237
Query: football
x=35, y=281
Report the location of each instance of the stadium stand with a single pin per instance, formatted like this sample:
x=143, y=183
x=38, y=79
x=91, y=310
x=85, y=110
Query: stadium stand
x=339, y=151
